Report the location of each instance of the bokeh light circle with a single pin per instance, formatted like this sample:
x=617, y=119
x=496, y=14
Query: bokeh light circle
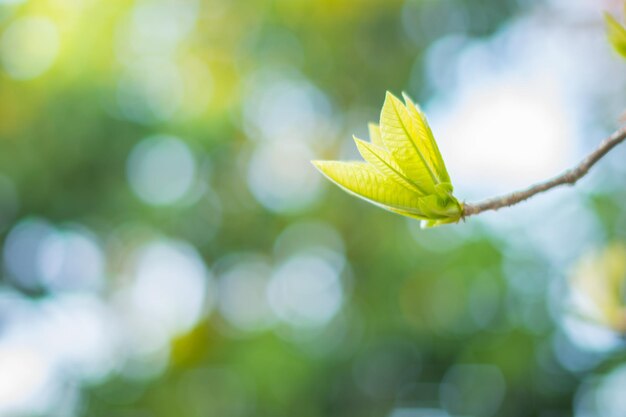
x=242, y=301
x=170, y=288
x=161, y=170
x=306, y=291
x=23, y=249
x=29, y=47
x=281, y=176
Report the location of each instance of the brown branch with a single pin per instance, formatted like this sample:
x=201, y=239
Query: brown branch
x=568, y=177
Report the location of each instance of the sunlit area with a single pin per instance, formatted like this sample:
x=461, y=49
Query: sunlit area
x=167, y=248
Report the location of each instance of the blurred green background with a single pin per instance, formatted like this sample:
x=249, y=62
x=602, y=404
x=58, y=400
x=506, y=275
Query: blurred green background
x=168, y=250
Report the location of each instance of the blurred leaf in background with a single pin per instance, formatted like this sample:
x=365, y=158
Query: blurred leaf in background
x=617, y=33
x=598, y=281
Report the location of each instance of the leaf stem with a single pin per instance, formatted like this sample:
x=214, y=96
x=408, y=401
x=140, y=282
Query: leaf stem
x=569, y=177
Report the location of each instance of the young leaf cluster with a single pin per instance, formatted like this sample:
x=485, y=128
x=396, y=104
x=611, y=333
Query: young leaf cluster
x=403, y=170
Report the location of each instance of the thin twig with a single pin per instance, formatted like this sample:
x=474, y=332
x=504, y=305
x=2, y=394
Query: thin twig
x=568, y=177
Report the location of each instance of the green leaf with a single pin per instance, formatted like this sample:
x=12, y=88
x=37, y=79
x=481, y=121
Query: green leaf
x=366, y=182
x=385, y=164
x=427, y=140
x=375, y=136
x=399, y=134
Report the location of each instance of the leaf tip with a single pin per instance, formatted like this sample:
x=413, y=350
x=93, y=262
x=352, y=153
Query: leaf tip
x=406, y=97
x=318, y=164
x=390, y=98
x=362, y=146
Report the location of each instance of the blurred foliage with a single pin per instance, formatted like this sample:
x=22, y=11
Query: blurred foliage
x=617, y=33
x=417, y=307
